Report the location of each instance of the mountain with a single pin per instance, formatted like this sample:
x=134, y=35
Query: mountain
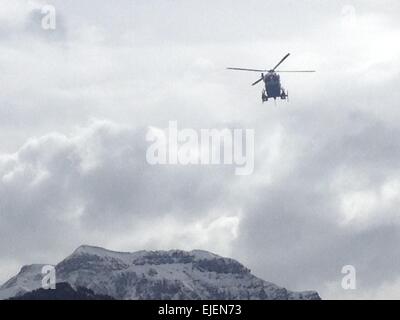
x=149, y=275
x=28, y=279
x=63, y=291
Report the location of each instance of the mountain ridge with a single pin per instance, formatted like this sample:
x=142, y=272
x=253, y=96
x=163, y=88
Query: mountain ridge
x=149, y=275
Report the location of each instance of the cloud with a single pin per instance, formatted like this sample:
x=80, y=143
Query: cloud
x=59, y=191
x=334, y=203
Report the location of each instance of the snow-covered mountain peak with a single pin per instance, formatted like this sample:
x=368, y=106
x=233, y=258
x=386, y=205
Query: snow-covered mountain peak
x=98, y=251
x=29, y=278
x=201, y=254
x=160, y=275
x=144, y=257
x=102, y=252
x=31, y=269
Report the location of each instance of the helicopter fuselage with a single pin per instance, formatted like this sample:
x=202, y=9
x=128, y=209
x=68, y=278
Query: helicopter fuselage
x=273, y=88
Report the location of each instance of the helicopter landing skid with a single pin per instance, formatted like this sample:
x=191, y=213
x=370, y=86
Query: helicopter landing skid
x=264, y=97
x=284, y=95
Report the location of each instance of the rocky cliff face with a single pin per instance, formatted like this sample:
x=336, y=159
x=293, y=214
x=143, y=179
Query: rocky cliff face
x=161, y=275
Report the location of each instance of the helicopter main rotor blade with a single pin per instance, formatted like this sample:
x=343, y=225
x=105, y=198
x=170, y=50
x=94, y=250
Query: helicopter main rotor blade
x=253, y=84
x=242, y=69
x=295, y=71
x=280, y=62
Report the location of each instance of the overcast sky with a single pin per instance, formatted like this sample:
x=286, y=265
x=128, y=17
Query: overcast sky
x=76, y=103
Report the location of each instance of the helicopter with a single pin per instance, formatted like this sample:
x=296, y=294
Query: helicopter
x=273, y=88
